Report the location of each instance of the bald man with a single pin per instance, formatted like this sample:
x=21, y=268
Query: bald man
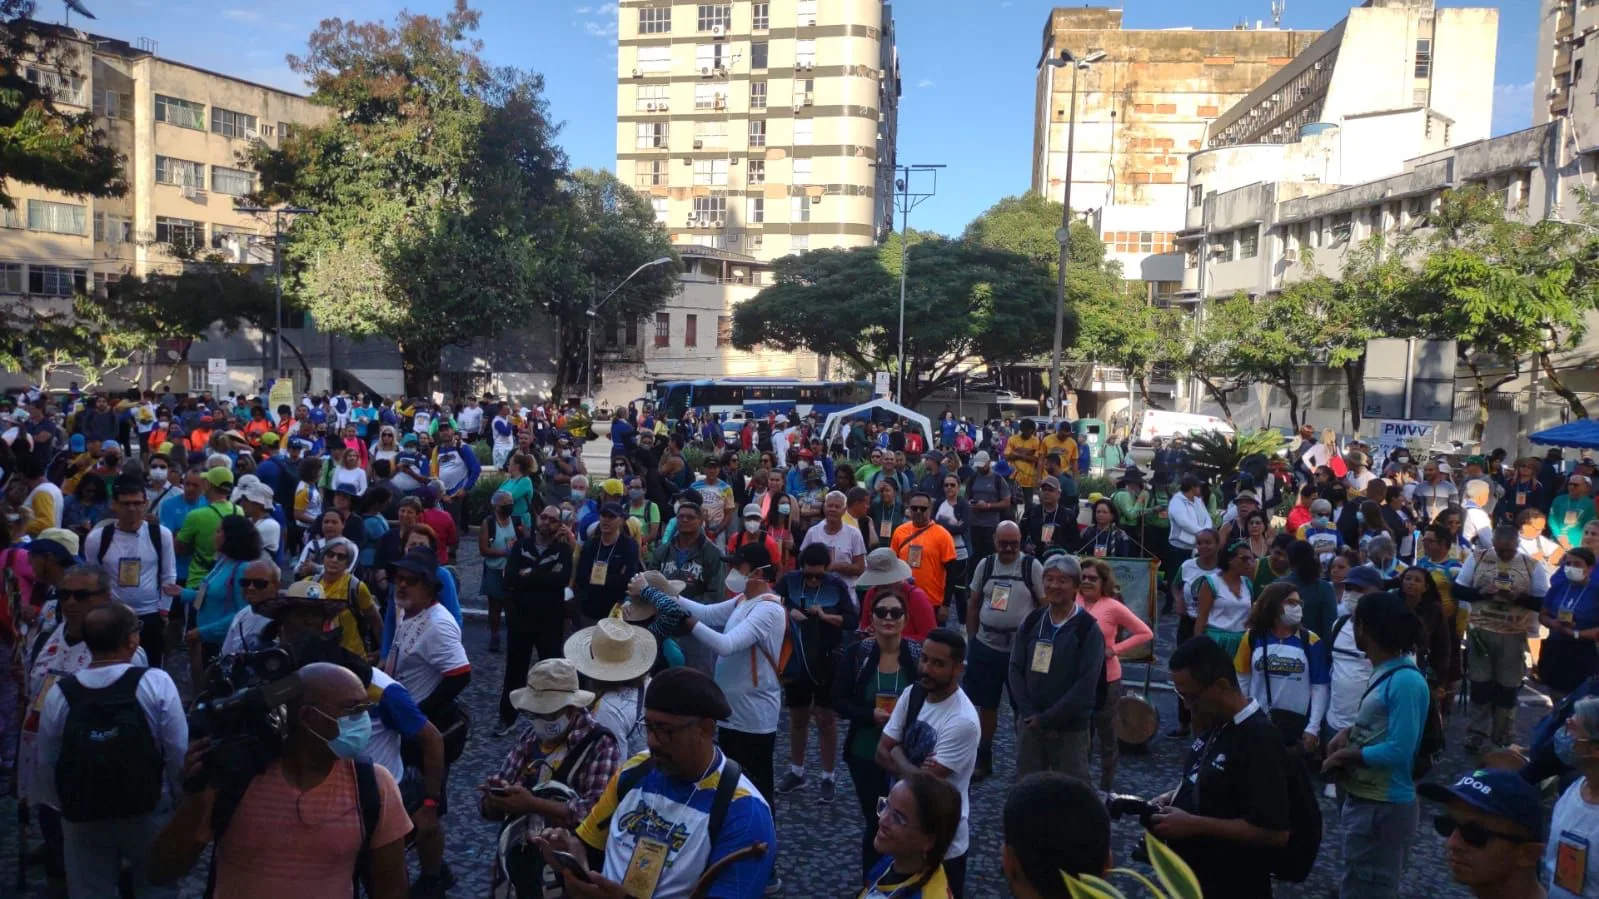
x=1004, y=588
x=270, y=848
x=260, y=582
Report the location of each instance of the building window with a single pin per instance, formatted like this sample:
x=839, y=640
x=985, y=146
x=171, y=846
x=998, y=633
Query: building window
x=632, y=332
x=179, y=233
x=801, y=172
x=756, y=171
x=663, y=329
x=1249, y=242
x=653, y=98
x=758, y=54
x=61, y=87
x=650, y=173
x=55, y=281
x=1196, y=195
x=113, y=104
x=57, y=218
x=761, y=16
x=799, y=209
x=1340, y=227
x=710, y=172
x=233, y=182
x=661, y=206
x=714, y=15
x=654, y=19
x=724, y=330
x=228, y=123
x=799, y=243
x=10, y=277
x=691, y=327
x=13, y=219
x=1140, y=241
x=112, y=229
x=757, y=211
x=710, y=96
x=231, y=239
x=654, y=60
x=180, y=112
x=757, y=95
x=286, y=130
x=708, y=211
x=757, y=132
x=708, y=135
x=651, y=135
x=755, y=241
x=180, y=172
x=710, y=57
x=805, y=53
x=1229, y=250
x=803, y=131
x=1423, y=58
x=804, y=91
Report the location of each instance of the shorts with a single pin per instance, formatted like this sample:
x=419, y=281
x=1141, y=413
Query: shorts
x=493, y=582
x=411, y=793
x=808, y=691
x=986, y=671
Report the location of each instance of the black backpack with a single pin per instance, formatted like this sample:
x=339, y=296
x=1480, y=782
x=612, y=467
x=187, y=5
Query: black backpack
x=630, y=778
x=1297, y=857
x=111, y=764
x=151, y=530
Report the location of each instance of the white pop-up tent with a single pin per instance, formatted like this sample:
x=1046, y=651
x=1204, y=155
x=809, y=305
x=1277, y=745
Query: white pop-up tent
x=864, y=410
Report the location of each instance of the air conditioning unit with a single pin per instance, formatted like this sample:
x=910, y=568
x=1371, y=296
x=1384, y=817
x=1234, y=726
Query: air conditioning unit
x=650, y=107
x=798, y=107
x=191, y=192
x=810, y=100
x=693, y=220
x=733, y=161
x=687, y=161
x=663, y=105
x=699, y=145
x=807, y=66
x=721, y=102
x=1290, y=255
x=719, y=223
x=638, y=73
x=1217, y=249
x=705, y=71
x=718, y=31
x=721, y=71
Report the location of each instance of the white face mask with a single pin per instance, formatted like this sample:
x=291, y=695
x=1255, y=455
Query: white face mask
x=1292, y=615
x=752, y=527
x=736, y=581
x=1347, y=607
x=1576, y=573
x=158, y=475
x=549, y=731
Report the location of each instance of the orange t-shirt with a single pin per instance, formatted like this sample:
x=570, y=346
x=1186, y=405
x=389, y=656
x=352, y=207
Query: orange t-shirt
x=282, y=842
x=926, y=550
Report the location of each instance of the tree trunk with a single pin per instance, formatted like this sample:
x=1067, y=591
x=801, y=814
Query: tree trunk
x=305, y=367
x=1293, y=402
x=1481, y=424
x=1220, y=397
x=1566, y=393
x=420, y=364
x=1353, y=377
x=1143, y=391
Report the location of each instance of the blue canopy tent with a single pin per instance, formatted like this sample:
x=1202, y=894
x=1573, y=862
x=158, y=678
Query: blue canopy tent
x=1581, y=434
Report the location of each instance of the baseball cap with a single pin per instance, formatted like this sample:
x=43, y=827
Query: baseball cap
x=110, y=446
x=752, y=511
x=219, y=477
x=612, y=487
x=980, y=459
x=58, y=542
x=1365, y=577
x=1503, y=794
x=613, y=509
x=1051, y=482
x=270, y=438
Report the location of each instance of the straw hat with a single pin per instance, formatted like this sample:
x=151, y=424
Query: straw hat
x=612, y=651
x=883, y=567
x=639, y=610
x=551, y=686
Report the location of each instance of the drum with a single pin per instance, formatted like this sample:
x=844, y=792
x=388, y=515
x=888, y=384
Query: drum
x=1135, y=721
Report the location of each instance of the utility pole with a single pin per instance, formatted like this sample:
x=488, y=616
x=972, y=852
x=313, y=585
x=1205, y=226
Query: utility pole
x=277, y=268
x=907, y=198
x=1063, y=236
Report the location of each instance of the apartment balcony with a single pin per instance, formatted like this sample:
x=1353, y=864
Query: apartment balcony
x=1108, y=379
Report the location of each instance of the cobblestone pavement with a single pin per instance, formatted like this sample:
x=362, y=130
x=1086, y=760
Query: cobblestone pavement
x=819, y=842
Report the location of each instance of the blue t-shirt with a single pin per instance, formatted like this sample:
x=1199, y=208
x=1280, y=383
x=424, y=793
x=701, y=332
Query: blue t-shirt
x=1576, y=603
x=171, y=512
x=1387, y=732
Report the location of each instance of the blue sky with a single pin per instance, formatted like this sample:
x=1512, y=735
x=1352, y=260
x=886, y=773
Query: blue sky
x=967, y=66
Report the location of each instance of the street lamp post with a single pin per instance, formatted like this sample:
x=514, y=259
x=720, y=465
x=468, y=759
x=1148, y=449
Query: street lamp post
x=277, y=278
x=594, y=311
x=1063, y=236
x=906, y=199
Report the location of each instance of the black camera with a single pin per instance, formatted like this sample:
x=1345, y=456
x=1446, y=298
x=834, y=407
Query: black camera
x=241, y=711
x=1120, y=806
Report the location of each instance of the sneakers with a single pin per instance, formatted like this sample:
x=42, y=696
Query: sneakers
x=790, y=782
x=505, y=727
x=829, y=788
x=432, y=886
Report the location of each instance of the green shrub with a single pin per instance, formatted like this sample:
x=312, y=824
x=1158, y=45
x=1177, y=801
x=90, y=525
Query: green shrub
x=484, y=453
x=478, y=506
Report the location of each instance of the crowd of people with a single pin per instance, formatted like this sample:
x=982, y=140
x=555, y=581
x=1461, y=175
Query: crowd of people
x=241, y=627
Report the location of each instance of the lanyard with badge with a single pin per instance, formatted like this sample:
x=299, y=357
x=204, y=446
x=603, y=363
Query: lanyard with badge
x=913, y=550
x=1571, y=863
x=886, y=697
x=1047, y=532
x=1044, y=649
x=1568, y=602
x=601, y=566
x=648, y=862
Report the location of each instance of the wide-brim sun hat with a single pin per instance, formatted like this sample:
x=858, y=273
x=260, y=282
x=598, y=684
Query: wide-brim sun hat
x=611, y=650
x=552, y=685
x=883, y=567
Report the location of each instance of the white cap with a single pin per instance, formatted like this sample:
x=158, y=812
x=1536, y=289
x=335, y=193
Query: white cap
x=980, y=459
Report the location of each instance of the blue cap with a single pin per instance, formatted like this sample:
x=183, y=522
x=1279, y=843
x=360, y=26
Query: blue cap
x=76, y=443
x=1365, y=577
x=1502, y=794
x=613, y=509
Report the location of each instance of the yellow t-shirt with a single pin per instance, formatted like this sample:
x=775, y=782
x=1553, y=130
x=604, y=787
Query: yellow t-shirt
x=1067, y=449
x=1026, y=469
x=350, y=637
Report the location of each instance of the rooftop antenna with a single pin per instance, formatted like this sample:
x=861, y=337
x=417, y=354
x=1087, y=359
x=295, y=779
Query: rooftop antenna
x=1277, y=7
x=77, y=7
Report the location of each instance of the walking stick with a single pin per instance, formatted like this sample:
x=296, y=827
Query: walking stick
x=702, y=887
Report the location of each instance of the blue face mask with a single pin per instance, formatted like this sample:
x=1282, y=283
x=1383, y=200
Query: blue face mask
x=355, y=731
x=1566, y=747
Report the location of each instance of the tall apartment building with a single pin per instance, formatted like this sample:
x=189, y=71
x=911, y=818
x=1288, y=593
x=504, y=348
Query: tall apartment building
x=760, y=128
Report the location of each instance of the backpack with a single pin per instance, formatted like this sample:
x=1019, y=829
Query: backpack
x=1294, y=860
x=111, y=764
x=151, y=530
x=630, y=778
x=1080, y=628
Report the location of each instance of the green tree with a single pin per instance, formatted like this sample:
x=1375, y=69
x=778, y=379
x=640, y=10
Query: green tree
x=964, y=302
x=1212, y=357
x=428, y=177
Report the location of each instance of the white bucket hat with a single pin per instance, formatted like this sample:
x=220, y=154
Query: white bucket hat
x=612, y=651
x=551, y=686
x=883, y=567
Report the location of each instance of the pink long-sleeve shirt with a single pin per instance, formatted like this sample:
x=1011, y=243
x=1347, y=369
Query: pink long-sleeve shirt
x=1113, y=618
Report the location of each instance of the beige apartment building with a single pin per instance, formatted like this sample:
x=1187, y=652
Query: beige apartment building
x=760, y=128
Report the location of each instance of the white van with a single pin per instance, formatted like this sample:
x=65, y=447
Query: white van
x=1166, y=425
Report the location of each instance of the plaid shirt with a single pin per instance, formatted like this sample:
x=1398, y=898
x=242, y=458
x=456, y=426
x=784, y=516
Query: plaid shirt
x=527, y=765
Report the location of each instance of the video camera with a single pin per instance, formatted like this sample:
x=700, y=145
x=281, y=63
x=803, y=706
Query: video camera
x=1120, y=805
x=241, y=711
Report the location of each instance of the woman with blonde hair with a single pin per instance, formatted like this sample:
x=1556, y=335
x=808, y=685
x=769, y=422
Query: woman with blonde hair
x=1098, y=594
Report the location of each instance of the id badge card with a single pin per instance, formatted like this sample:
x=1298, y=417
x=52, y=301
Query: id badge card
x=1521, y=497
x=885, y=702
x=44, y=691
x=1567, y=617
x=914, y=551
x=127, y=572
x=1043, y=654
x=645, y=868
x=999, y=597
x=1571, y=518
x=1048, y=533
x=1099, y=552
x=885, y=530
x=597, y=575
x=1571, y=863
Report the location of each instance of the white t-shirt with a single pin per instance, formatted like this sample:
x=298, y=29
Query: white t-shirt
x=131, y=562
x=470, y=418
x=354, y=478
x=55, y=492
x=384, y=747
x=747, y=626
x=621, y=711
x=508, y=439
x=1575, y=824
x=1351, y=671
x=845, y=545
x=1539, y=545
x=163, y=708
x=427, y=648
x=1190, y=572
x=956, y=732
x=271, y=535
x=244, y=634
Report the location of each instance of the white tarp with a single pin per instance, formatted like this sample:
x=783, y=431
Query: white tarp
x=914, y=417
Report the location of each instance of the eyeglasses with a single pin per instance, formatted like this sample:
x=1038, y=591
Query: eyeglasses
x=64, y=594
x=919, y=508
x=893, y=815
x=1475, y=835
x=665, y=730
x=336, y=555
x=255, y=583
x=888, y=614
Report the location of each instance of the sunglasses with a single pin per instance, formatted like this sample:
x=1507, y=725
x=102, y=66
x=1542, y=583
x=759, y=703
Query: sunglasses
x=888, y=614
x=1475, y=835
x=77, y=595
x=255, y=583
x=919, y=508
x=340, y=556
